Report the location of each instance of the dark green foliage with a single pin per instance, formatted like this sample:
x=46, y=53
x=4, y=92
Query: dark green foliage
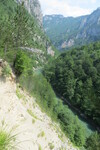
x=75, y=75
x=6, y=71
x=21, y=27
x=22, y=63
x=93, y=142
x=72, y=126
x=6, y=34
x=6, y=8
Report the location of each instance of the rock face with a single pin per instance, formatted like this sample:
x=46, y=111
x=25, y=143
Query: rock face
x=34, y=8
x=66, y=32
x=50, y=51
x=68, y=43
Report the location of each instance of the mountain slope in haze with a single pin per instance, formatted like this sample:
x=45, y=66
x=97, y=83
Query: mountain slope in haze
x=67, y=32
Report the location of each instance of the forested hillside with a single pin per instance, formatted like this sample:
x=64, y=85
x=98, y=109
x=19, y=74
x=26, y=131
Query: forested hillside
x=20, y=30
x=67, y=32
x=75, y=75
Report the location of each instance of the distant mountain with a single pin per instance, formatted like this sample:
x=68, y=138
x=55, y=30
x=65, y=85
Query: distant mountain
x=67, y=32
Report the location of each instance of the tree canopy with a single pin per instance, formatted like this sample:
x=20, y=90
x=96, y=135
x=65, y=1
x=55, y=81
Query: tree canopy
x=75, y=75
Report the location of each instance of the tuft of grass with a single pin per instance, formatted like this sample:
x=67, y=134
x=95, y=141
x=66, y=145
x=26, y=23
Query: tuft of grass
x=51, y=146
x=62, y=148
x=42, y=134
x=7, y=141
x=6, y=70
x=40, y=148
x=19, y=94
x=60, y=136
x=32, y=114
x=33, y=121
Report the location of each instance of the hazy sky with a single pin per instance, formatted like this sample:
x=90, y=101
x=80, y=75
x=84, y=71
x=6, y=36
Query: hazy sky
x=69, y=7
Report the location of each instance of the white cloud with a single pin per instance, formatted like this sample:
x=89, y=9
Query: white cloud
x=93, y=1
x=62, y=7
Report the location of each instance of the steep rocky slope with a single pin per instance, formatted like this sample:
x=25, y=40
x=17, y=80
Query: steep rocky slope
x=20, y=113
x=67, y=32
x=34, y=8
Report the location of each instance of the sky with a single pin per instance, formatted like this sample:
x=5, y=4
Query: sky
x=69, y=7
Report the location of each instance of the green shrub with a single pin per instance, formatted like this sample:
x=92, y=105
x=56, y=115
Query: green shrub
x=40, y=148
x=51, y=146
x=42, y=134
x=6, y=71
x=93, y=142
x=22, y=63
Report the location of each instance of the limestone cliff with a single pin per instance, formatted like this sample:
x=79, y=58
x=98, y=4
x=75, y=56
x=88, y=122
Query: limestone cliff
x=34, y=8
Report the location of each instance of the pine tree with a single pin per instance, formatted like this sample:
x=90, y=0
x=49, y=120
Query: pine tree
x=6, y=33
x=21, y=26
x=93, y=142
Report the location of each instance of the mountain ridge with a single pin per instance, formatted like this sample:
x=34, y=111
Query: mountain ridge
x=66, y=32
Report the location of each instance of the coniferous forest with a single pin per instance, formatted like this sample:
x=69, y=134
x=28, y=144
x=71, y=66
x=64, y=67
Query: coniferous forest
x=75, y=75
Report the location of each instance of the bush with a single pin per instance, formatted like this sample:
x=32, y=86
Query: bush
x=51, y=146
x=22, y=63
x=93, y=142
x=6, y=71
